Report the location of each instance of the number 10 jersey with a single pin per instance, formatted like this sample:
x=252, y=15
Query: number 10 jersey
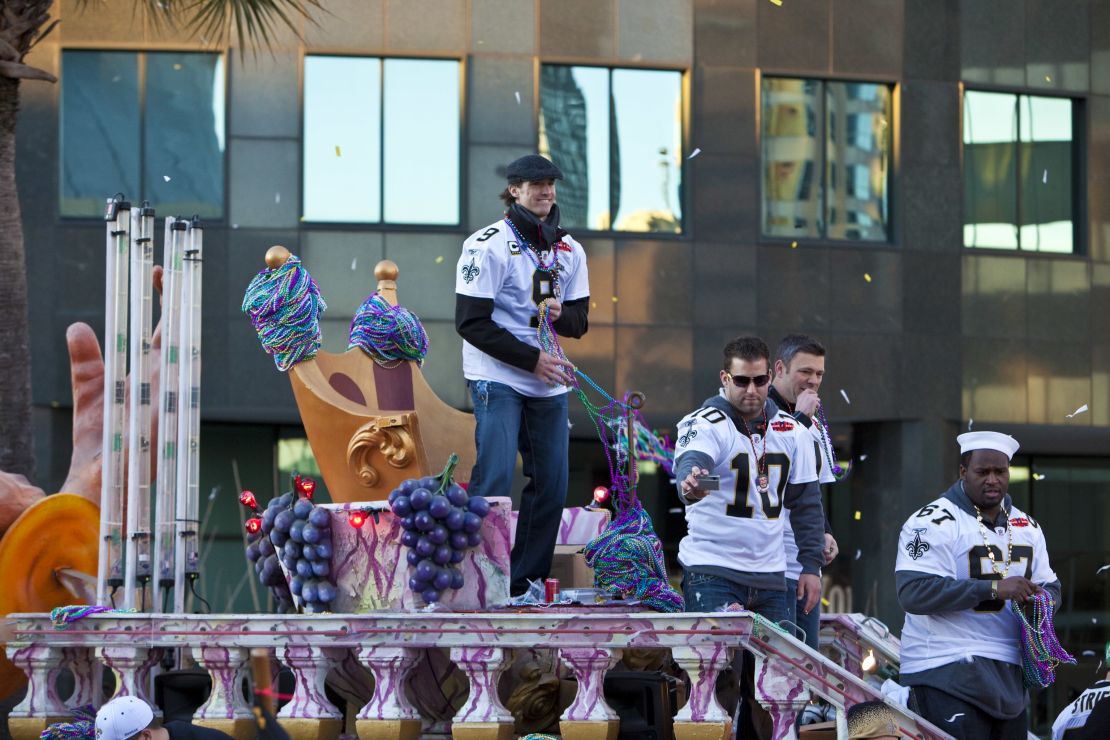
x=738, y=527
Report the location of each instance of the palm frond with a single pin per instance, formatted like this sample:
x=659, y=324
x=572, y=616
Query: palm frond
x=253, y=22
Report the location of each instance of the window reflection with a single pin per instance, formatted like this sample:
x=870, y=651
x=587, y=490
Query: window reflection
x=342, y=135
x=857, y=147
x=163, y=142
x=617, y=136
x=421, y=141
x=826, y=159
x=356, y=108
x=791, y=198
x=1002, y=133
x=647, y=108
x=183, y=173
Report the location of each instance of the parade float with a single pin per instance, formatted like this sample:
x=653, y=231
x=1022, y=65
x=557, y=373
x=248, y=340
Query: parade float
x=394, y=597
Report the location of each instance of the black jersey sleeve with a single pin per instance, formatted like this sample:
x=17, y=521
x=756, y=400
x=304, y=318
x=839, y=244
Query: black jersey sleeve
x=474, y=323
x=574, y=320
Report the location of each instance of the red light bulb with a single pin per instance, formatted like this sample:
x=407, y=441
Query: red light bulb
x=357, y=518
x=601, y=495
x=308, y=486
x=254, y=524
x=246, y=498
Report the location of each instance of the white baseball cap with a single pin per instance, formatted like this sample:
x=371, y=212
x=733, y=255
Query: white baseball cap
x=122, y=718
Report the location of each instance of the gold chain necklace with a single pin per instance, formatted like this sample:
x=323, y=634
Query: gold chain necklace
x=990, y=549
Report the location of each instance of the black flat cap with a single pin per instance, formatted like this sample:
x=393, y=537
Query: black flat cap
x=532, y=167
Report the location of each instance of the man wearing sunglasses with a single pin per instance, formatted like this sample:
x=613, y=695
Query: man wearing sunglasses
x=741, y=463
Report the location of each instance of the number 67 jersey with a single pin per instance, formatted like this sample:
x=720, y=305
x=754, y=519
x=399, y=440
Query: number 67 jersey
x=944, y=539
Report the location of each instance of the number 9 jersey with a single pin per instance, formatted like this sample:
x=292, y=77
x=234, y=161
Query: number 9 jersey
x=943, y=539
x=738, y=526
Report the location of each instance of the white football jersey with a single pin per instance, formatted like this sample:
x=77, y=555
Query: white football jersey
x=824, y=475
x=737, y=527
x=1075, y=714
x=944, y=540
x=493, y=265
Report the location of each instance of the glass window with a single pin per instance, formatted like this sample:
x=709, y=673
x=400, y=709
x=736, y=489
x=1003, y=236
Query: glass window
x=826, y=159
x=617, y=136
x=372, y=141
x=147, y=124
x=1018, y=172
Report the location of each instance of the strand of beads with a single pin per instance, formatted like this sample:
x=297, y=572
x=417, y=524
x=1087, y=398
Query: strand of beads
x=826, y=445
x=284, y=306
x=389, y=334
x=63, y=616
x=1041, y=650
x=627, y=557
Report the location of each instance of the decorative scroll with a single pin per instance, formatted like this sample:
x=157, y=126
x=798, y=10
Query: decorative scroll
x=389, y=435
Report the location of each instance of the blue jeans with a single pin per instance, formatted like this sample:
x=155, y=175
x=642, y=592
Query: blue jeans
x=795, y=612
x=508, y=422
x=709, y=593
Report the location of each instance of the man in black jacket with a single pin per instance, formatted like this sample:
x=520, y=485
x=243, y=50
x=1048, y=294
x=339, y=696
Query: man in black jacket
x=513, y=274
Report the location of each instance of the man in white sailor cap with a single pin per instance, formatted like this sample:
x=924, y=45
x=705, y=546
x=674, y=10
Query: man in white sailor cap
x=961, y=558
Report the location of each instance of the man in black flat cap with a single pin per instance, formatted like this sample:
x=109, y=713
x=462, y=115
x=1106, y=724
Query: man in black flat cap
x=506, y=273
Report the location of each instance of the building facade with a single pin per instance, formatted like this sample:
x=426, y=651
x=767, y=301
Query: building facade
x=922, y=184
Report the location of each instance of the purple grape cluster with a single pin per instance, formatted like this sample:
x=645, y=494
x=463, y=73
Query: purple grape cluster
x=261, y=552
x=440, y=522
x=298, y=532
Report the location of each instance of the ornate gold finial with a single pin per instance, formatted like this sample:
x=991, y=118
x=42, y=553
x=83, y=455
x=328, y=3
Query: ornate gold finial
x=276, y=256
x=386, y=270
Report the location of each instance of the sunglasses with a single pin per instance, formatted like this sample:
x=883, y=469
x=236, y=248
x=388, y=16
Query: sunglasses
x=742, y=381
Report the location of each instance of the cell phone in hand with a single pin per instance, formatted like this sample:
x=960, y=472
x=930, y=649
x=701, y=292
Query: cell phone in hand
x=709, y=483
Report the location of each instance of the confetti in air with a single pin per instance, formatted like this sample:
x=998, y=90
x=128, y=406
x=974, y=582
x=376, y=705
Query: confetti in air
x=1105, y=567
x=166, y=178
x=439, y=259
x=1089, y=653
x=776, y=2
x=859, y=515
x=277, y=197
x=862, y=458
x=867, y=276
x=1044, y=178
x=845, y=395
x=969, y=423
x=517, y=94
x=1078, y=411
x=337, y=150
x=954, y=716
x=354, y=264
x=858, y=554
x=1039, y=476
x=694, y=153
x=793, y=245
x=614, y=299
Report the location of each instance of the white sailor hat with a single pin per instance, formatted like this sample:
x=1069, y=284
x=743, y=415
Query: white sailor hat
x=998, y=441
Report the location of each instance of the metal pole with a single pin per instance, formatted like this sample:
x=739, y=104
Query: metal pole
x=164, y=512
x=109, y=574
x=186, y=555
x=635, y=403
x=137, y=576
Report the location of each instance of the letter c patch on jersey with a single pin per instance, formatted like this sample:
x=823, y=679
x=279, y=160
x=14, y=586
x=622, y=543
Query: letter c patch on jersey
x=782, y=426
x=917, y=547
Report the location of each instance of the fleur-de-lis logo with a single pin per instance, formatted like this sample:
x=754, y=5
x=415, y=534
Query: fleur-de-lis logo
x=690, y=434
x=471, y=271
x=917, y=546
